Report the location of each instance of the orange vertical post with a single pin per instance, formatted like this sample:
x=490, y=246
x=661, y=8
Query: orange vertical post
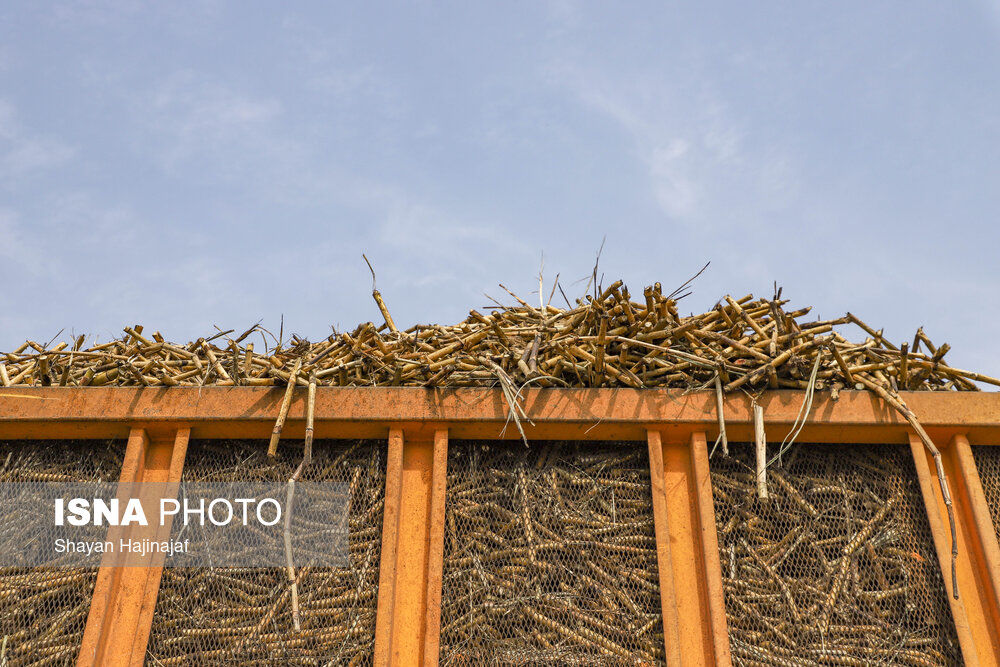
x=121, y=612
x=694, y=611
x=977, y=610
x=407, y=630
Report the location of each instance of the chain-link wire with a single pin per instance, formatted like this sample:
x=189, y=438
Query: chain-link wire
x=988, y=463
x=43, y=610
x=228, y=616
x=838, y=567
x=550, y=556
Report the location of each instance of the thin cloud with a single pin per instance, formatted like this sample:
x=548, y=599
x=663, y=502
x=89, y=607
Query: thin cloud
x=17, y=251
x=188, y=117
x=699, y=165
x=22, y=152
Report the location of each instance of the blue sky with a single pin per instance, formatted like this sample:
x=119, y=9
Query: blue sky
x=184, y=166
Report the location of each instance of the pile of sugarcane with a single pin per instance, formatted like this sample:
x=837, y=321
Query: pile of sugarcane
x=550, y=556
x=244, y=615
x=43, y=610
x=837, y=567
x=606, y=340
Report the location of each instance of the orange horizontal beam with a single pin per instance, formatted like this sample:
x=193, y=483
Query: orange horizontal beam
x=591, y=414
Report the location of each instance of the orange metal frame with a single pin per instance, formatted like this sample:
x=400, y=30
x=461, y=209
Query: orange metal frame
x=418, y=424
x=977, y=609
x=409, y=603
x=121, y=611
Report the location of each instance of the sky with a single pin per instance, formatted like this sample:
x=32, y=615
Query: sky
x=192, y=165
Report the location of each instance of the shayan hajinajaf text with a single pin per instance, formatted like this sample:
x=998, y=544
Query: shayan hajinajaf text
x=125, y=546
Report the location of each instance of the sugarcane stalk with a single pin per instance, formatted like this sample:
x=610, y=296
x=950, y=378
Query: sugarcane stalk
x=272, y=448
x=901, y=407
x=719, y=407
x=760, y=442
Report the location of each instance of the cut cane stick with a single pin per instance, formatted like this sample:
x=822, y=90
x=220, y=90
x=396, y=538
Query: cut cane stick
x=379, y=301
x=272, y=448
x=760, y=442
x=289, y=564
x=719, y=401
x=310, y=414
x=842, y=364
x=903, y=366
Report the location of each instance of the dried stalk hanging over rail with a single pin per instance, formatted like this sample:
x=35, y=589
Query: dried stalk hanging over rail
x=289, y=563
x=286, y=403
x=719, y=403
x=761, y=449
x=901, y=407
x=290, y=499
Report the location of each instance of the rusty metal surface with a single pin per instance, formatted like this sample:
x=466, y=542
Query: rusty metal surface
x=124, y=597
x=976, y=609
x=691, y=594
x=581, y=414
x=408, y=621
x=409, y=601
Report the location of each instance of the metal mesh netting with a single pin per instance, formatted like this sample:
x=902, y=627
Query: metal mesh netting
x=549, y=556
x=224, y=616
x=988, y=463
x=43, y=610
x=838, y=567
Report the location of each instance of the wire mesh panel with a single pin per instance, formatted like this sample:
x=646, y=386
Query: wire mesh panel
x=988, y=463
x=549, y=556
x=837, y=567
x=225, y=616
x=43, y=610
